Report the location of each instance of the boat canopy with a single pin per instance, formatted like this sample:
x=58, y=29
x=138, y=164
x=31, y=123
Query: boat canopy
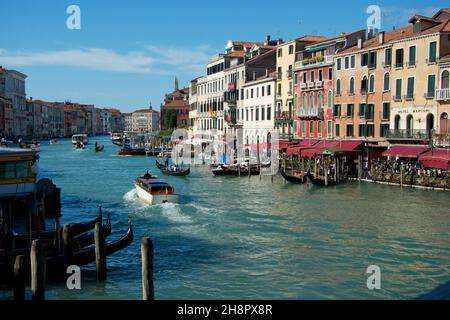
x=436, y=159
x=401, y=151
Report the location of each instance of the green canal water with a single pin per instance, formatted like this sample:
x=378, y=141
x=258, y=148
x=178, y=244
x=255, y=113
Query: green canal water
x=241, y=238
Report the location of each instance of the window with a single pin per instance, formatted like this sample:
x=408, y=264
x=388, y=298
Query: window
x=262, y=113
x=410, y=88
x=257, y=113
x=372, y=84
x=303, y=127
x=246, y=114
x=388, y=57
x=369, y=111
x=364, y=59
x=352, y=62
x=304, y=103
x=251, y=93
x=431, y=86
x=386, y=81
x=386, y=111
x=280, y=52
x=311, y=100
x=347, y=62
x=280, y=73
x=263, y=91
x=384, y=128
x=398, y=89
x=364, y=85
x=269, y=115
x=373, y=59
x=291, y=49
x=350, y=130
x=399, y=58
x=350, y=110
x=312, y=76
x=338, y=130
x=279, y=89
x=319, y=128
x=330, y=99
x=268, y=89
x=330, y=74
x=296, y=78
x=305, y=77
x=352, y=87
x=320, y=100
x=330, y=128
x=432, y=52
x=337, y=110
x=445, y=80
x=338, y=87
x=311, y=128
x=320, y=75
x=339, y=64
x=251, y=114
x=412, y=56
x=361, y=111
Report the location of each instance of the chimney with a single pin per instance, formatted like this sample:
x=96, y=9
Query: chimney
x=381, y=38
x=267, y=72
x=268, y=39
x=370, y=33
x=279, y=41
x=360, y=43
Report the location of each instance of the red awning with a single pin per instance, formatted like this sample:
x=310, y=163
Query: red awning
x=348, y=146
x=308, y=143
x=296, y=150
x=311, y=153
x=406, y=151
x=436, y=159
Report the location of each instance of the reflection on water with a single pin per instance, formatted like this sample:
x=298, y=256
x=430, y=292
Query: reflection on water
x=250, y=239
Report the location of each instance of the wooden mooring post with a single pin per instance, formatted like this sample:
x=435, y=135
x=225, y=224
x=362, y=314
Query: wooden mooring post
x=100, y=251
x=37, y=258
x=67, y=239
x=19, y=282
x=147, y=254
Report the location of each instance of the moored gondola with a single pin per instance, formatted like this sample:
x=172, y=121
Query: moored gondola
x=99, y=148
x=320, y=181
x=300, y=178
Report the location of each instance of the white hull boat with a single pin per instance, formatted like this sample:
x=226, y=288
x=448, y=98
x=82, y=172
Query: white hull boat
x=155, y=191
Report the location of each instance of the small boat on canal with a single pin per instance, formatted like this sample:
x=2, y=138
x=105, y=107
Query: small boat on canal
x=176, y=171
x=77, y=138
x=99, y=148
x=235, y=170
x=153, y=190
x=117, y=138
x=132, y=152
x=53, y=141
x=296, y=177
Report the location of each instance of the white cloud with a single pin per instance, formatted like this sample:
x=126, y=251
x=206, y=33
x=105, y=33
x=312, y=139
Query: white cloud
x=152, y=60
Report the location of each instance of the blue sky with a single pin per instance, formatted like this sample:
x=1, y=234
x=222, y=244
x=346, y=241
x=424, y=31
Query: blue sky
x=127, y=53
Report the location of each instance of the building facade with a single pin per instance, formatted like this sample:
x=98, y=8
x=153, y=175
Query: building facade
x=178, y=102
x=6, y=117
x=145, y=121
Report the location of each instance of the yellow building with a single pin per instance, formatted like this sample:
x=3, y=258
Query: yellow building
x=414, y=78
x=284, y=93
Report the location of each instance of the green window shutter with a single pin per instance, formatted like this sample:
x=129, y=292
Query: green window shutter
x=431, y=85
x=398, y=88
x=432, y=57
x=410, y=91
x=412, y=56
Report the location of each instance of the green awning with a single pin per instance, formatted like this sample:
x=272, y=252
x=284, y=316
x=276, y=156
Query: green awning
x=332, y=152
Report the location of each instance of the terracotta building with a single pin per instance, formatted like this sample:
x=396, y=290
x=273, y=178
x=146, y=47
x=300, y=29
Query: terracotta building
x=178, y=100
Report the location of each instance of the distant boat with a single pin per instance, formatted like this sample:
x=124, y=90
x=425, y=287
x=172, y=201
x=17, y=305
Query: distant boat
x=320, y=181
x=99, y=148
x=117, y=139
x=77, y=138
x=132, y=152
x=53, y=141
x=226, y=170
x=155, y=191
x=178, y=173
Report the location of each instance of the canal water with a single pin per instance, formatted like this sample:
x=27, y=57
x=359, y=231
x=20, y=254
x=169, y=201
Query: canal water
x=249, y=238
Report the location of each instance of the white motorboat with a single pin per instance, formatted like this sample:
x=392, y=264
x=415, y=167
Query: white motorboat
x=155, y=191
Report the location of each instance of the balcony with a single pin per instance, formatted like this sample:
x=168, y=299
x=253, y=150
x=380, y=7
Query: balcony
x=443, y=94
x=398, y=65
x=441, y=140
x=289, y=74
x=311, y=85
x=397, y=98
x=319, y=84
x=313, y=62
x=411, y=64
x=232, y=86
x=303, y=86
x=387, y=64
x=419, y=135
x=310, y=113
x=408, y=97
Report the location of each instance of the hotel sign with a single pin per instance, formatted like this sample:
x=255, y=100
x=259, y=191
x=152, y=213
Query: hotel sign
x=419, y=110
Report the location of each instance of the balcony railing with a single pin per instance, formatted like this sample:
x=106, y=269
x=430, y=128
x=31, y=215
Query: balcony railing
x=319, y=84
x=443, y=94
x=398, y=65
x=311, y=85
x=421, y=135
x=315, y=61
x=408, y=97
x=441, y=140
x=310, y=112
x=303, y=85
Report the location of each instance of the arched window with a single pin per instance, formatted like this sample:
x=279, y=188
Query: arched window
x=444, y=124
x=387, y=82
x=364, y=85
x=430, y=123
x=330, y=99
x=320, y=100
x=338, y=86
x=296, y=101
x=269, y=141
x=352, y=86
x=409, y=124
x=445, y=80
x=311, y=100
x=304, y=103
x=397, y=123
x=372, y=84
